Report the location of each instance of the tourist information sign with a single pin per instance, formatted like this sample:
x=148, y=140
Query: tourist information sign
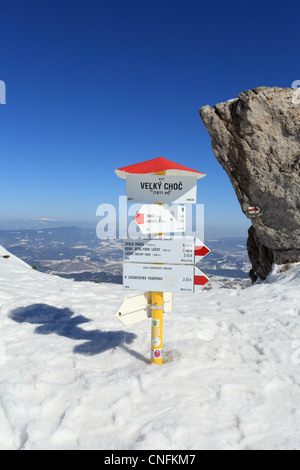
x=162, y=278
x=183, y=250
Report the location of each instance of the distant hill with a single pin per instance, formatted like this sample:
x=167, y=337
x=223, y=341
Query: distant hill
x=77, y=253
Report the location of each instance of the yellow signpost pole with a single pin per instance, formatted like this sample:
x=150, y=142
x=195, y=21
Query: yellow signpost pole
x=157, y=327
x=157, y=319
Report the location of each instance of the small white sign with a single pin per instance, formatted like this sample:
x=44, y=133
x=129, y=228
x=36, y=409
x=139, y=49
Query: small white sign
x=161, y=189
x=184, y=250
x=162, y=278
x=161, y=219
x=138, y=308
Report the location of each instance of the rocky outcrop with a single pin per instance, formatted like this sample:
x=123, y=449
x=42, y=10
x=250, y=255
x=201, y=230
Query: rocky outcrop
x=256, y=139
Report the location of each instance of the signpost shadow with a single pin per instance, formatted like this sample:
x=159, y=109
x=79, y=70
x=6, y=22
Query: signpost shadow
x=62, y=322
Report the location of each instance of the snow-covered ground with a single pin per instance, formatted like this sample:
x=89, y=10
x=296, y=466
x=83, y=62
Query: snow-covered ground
x=73, y=377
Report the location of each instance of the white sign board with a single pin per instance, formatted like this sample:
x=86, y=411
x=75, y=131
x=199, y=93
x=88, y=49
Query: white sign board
x=162, y=278
x=138, y=308
x=161, y=219
x=184, y=250
x=161, y=189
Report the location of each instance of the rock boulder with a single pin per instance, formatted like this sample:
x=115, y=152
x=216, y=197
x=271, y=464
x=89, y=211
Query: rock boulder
x=256, y=139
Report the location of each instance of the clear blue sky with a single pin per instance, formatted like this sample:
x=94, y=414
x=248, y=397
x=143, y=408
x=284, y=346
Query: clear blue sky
x=97, y=85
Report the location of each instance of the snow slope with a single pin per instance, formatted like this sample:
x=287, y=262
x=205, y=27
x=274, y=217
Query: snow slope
x=73, y=377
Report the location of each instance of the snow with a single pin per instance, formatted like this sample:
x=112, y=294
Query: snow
x=73, y=377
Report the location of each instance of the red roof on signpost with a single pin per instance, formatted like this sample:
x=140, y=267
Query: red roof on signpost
x=158, y=164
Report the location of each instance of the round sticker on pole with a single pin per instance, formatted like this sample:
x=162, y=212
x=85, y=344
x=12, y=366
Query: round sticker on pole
x=155, y=341
x=156, y=353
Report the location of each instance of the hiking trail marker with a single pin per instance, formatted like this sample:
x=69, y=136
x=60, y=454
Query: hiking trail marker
x=253, y=211
x=162, y=264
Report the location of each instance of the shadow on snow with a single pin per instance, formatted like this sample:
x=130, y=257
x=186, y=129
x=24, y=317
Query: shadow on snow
x=62, y=322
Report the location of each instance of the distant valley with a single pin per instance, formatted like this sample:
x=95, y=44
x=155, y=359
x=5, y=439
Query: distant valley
x=77, y=253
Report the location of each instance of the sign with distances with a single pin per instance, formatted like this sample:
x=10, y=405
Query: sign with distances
x=161, y=189
x=183, y=250
x=160, y=219
x=168, y=277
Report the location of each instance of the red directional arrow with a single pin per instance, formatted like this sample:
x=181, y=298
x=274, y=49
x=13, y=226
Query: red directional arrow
x=201, y=250
x=253, y=210
x=140, y=219
x=200, y=280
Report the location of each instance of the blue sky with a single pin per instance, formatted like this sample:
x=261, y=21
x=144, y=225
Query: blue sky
x=97, y=85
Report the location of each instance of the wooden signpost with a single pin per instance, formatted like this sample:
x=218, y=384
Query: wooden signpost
x=162, y=264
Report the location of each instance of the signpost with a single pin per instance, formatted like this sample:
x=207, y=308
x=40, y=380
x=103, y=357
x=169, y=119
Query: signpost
x=184, y=250
x=159, y=218
x=144, y=267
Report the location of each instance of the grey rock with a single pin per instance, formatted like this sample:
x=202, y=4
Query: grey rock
x=256, y=139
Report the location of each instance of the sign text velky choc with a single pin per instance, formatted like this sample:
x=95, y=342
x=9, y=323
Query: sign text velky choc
x=161, y=189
